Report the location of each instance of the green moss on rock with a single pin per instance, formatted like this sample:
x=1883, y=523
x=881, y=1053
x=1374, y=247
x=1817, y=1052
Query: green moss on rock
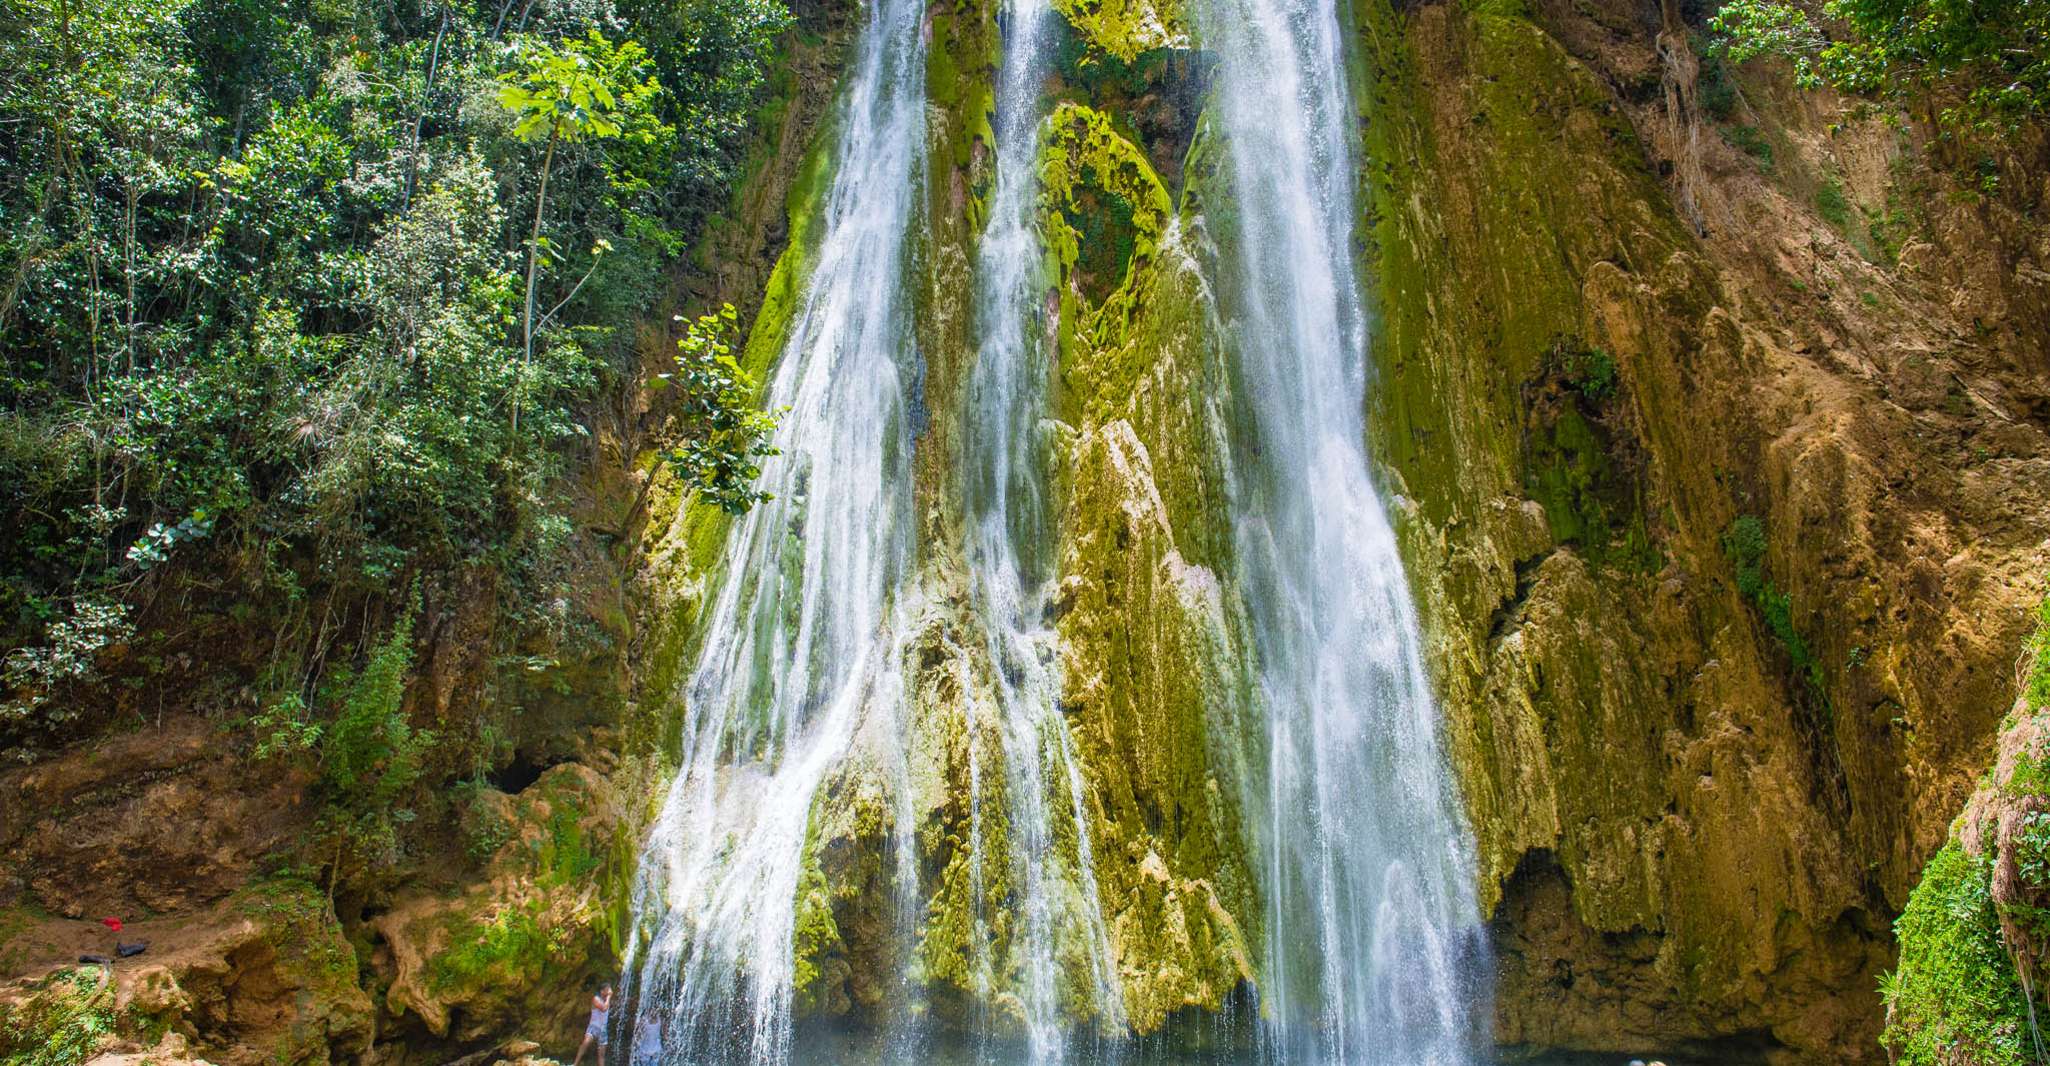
x=1126, y=28
x=967, y=933
x=1975, y=935
x=547, y=915
x=1105, y=209
x=1955, y=998
x=844, y=933
x=815, y=936
x=1151, y=645
x=63, y=1019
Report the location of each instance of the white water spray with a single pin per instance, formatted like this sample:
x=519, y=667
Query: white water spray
x=1374, y=947
x=1009, y=549
x=798, y=650
x=1362, y=856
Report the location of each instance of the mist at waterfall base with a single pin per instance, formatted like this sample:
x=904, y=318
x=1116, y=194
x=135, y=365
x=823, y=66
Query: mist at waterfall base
x=1232, y=1040
x=1374, y=954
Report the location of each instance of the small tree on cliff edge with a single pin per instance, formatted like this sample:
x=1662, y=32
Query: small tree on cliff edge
x=580, y=90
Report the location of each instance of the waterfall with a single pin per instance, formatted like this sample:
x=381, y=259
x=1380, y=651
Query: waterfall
x=798, y=647
x=1374, y=947
x=1009, y=553
x=1372, y=944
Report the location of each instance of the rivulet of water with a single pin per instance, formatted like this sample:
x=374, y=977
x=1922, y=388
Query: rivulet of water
x=1009, y=554
x=797, y=652
x=1374, y=949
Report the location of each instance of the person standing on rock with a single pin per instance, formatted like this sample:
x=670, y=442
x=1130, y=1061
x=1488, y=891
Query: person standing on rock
x=595, y=1031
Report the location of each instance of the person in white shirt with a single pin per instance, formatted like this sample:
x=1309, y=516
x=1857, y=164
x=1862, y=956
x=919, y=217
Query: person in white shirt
x=594, y=1033
x=647, y=1049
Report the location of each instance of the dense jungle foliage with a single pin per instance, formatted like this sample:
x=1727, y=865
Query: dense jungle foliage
x=307, y=302
x=1984, y=65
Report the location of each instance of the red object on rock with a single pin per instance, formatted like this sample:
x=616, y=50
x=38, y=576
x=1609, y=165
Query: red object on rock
x=112, y=923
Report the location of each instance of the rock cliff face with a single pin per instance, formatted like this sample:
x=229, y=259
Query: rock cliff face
x=1726, y=493
x=1715, y=415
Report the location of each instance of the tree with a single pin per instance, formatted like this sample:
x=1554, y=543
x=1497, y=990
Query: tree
x=582, y=90
x=1996, y=52
x=261, y=327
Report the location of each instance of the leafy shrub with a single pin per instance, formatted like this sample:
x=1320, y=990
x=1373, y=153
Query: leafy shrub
x=2036, y=683
x=65, y=1020
x=1592, y=371
x=1963, y=990
x=1954, y=997
x=1996, y=52
x=1587, y=370
x=2032, y=848
x=1744, y=545
x=368, y=755
x=1751, y=141
x=1715, y=89
x=485, y=828
x=68, y=654
x=1831, y=204
x=726, y=437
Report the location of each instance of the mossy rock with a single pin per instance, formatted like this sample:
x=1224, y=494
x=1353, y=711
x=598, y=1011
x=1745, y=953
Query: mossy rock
x=1151, y=646
x=1124, y=29
x=1955, y=999
x=1103, y=207
x=546, y=917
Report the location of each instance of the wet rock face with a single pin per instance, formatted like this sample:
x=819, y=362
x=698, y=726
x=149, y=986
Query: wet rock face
x=1726, y=522
x=1723, y=518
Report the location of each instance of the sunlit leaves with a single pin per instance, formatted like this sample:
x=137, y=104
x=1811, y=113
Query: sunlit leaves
x=1993, y=54
x=568, y=91
x=725, y=436
x=261, y=301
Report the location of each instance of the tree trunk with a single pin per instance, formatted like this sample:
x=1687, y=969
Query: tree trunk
x=533, y=259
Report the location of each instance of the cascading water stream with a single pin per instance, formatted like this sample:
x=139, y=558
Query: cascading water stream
x=1009, y=555
x=799, y=652
x=1371, y=930
x=1374, y=950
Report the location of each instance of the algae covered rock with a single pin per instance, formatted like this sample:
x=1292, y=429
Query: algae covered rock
x=1148, y=658
x=1126, y=28
x=845, y=918
x=264, y=976
x=1103, y=207
x=1151, y=649
x=513, y=952
x=1702, y=769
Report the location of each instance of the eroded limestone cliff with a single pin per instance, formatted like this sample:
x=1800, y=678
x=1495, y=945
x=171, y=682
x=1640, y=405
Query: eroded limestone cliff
x=1725, y=475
